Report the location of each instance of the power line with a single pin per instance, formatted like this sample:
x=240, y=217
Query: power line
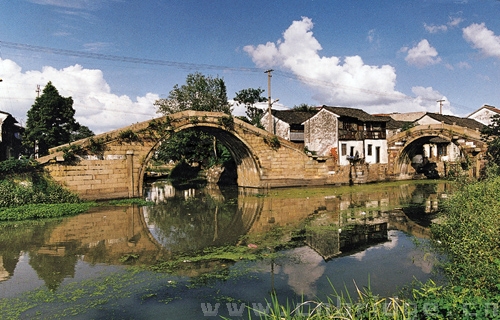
x=99, y=56
x=197, y=66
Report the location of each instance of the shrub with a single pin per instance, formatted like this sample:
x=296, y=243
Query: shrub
x=468, y=236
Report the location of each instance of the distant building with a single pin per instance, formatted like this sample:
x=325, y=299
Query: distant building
x=10, y=137
x=484, y=114
x=407, y=116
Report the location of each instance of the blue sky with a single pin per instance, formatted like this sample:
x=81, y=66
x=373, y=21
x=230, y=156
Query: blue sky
x=380, y=56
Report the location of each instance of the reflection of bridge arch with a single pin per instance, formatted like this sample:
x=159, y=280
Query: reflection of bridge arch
x=460, y=144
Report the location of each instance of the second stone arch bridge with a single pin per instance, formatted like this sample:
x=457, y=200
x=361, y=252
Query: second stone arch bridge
x=113, y=164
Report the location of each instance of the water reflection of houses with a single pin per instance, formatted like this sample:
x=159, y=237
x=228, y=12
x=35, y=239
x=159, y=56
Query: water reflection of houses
x=160, y=192
x=331, y=233
x=350, y=223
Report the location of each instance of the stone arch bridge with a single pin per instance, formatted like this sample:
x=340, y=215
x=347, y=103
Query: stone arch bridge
x=469, y=148
x=113, y=164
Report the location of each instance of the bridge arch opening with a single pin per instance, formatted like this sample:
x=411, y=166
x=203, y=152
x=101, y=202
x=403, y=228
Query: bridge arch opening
x=429, y=155
x=244, y=167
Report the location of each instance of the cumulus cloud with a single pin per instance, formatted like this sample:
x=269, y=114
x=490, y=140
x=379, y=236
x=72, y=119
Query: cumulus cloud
x=422, y=55
x=338, y=81
x=96, y=106
x=430, y=96
x=483, y=39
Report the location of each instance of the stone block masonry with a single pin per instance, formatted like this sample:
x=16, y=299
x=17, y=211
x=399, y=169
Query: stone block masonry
x=263, y=160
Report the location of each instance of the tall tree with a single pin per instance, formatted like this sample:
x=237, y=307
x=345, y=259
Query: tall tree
x=200, y=93
x=51, y=121
x=249, y=97
x=305, y=108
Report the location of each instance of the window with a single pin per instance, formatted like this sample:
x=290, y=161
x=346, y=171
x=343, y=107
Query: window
x=344, y=149
x=352, y=152
x=369, y=151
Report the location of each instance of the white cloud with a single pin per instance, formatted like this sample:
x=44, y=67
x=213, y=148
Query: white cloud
x=423, y=54
x=96, y=106
x=348, y=81
x=452, y=23
x=429, y=96
x=482, y=39
x=435, y=29
x=73, y=4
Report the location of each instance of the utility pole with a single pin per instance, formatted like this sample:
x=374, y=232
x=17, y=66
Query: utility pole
x=37, y=90
x=440, y=106
x=270, y=124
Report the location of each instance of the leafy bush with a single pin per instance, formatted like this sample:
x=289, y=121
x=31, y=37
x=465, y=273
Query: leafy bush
x=23, y=183
x=15, y=166
x=32, y=191
x=468, y=235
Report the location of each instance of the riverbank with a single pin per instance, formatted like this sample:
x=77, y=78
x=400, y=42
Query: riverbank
x=28, y=193
x=467, y=239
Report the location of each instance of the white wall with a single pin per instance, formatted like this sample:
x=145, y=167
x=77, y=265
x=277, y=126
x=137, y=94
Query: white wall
x=483, y=115
x=356, y=144
x=382, y=144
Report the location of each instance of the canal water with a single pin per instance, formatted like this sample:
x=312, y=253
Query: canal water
x=331, y=240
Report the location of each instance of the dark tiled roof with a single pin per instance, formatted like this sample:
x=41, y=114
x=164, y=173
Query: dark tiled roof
x=292, y=116
x=355, y=113
x=463, y=122
x=393, y=124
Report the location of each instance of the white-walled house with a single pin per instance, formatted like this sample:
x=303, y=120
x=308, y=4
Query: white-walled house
x=484, y=114
x=347, y=134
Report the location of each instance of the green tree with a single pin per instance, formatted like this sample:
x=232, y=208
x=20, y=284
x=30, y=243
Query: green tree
x=491, y=135
x=249, y=97
x=82, y=133
x=200, y=93
x=305, y=107
x=51, y=121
